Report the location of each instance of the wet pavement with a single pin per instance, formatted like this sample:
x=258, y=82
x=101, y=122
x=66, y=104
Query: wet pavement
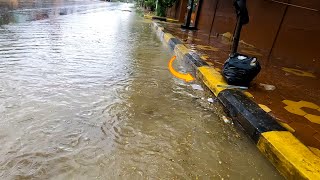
x=86, y=94
x=289, y=93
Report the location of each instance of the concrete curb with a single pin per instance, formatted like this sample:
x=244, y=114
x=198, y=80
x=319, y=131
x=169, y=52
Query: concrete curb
x=161, y=18
x=291, y=157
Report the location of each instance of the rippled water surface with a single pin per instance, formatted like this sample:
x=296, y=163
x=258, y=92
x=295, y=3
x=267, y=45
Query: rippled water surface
x=86, y=94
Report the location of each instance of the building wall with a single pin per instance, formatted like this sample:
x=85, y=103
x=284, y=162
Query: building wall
x=299, y=36
x=206, y=15
x=285, y=34
x=178, y=10
x=265, y=20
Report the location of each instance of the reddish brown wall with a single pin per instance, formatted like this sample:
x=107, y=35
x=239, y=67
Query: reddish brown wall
x=178, y=10
x=289, y=36
x=286, y=35
x=206, y=15
x=225, y=18
x=299, y=37
x=265, y=19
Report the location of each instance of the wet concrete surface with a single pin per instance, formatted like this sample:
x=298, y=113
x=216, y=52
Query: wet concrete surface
x=289, y=91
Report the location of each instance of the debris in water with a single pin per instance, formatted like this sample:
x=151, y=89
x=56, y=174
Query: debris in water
x=197, y=87
x=225, y=119
x=268, y=87
x=232, y=87
x=210, y=100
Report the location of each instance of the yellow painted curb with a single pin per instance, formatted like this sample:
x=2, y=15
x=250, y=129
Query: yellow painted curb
x=212, y=78
x=147, y=16
x=315, y=151
x=172, y=20
x=167, y=37
x=167, y=19
x=292, y=158
x=181, y=50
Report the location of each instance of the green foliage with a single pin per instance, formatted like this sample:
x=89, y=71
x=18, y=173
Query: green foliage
x=162, y=5
x=167, y=3
x=139, y=3
x=151, y=4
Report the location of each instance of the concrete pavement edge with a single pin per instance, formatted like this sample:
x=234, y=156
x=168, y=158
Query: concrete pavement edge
x=291, y=157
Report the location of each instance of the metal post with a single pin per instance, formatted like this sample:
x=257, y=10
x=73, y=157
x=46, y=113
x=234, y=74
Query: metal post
x=189, y=14
x=188, y=21
x=236, y=37
x=214, y=16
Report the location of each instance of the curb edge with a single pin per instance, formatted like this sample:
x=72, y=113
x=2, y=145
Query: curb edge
x=291, y=157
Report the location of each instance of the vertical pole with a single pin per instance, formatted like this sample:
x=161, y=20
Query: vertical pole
x=198, y=11
x=276, y=37
x=189, y=15
x=214, y=16
x=236, y=37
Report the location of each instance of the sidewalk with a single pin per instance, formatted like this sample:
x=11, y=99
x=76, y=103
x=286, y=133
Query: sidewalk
x=282, y=94
x=289, y=94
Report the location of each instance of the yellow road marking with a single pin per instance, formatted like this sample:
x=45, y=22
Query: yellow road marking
x=296, y=108
x=298, y=72
x=227, y=35
x=204, y=57
x=207, y=48
x=265, y=108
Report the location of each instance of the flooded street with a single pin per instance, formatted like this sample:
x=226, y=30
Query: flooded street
x=86, y=94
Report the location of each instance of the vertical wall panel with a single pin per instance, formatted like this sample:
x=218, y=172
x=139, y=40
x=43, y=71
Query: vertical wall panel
x=225, y=18
x=206, y=15
x=298, y=43
x=265, y=19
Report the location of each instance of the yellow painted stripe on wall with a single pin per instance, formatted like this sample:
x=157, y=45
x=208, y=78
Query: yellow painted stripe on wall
x=291, y=157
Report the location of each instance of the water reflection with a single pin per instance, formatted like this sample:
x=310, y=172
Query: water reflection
x=13, y=11
x=88, y=96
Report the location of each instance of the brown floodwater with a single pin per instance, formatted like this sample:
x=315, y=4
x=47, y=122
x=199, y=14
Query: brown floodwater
x=86, y=94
